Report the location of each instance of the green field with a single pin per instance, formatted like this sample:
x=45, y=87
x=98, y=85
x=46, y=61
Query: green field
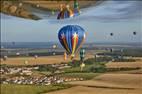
x=85, y=76
x=30, y=89
x=86, y=69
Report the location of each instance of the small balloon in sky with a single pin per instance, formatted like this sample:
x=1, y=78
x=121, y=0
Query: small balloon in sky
x=111, y=34
x=134, y=33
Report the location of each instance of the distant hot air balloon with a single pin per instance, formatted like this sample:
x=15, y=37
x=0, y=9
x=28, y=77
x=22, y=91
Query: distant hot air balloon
x=65, y=56
x=111, y=50
x=82, y=65
x=54, y=46
x=134, y=33
x=111, y=34
x=26, y=62
x=35, y=56
x=54, y=53
x=53, y=12
x=5, y=58
x=13, y=43
x=71, y=37
x=17, y=53
x=82, y=54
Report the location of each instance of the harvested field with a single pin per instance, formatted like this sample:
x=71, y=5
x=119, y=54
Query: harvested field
x=91, y=90
x=124, y=64
x=114, y=81
x=107, y=84
x=39, y=60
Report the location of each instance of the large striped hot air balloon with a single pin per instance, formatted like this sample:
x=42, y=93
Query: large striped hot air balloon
x=71, y=37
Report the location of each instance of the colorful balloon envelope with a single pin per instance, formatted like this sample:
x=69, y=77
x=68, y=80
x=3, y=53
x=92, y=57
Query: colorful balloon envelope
x=71, y=38
x=65, y=12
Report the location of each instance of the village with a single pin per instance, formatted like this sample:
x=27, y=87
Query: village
x=25, y=75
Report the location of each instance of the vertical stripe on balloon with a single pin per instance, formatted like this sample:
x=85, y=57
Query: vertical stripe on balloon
x=74, y=42
x=65, y=42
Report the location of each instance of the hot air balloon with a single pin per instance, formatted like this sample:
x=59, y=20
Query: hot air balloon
x=65, y=12
x=111, y=34
x=17, y=53
x=54, y=53
x=82, y=65
x=35, y=56
x=53, y=12
x=26, y=62
x=82, y=54
x=65, y=56
x=71, y=37
x=76, y=8
x=13, y=43
x=134, y=33
x=54, y=46
x=5, y=58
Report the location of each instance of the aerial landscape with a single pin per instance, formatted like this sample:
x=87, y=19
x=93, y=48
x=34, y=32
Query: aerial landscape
x=71, y=47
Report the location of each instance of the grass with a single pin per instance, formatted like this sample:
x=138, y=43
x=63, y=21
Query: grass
x=86, y=76
x=30, y=89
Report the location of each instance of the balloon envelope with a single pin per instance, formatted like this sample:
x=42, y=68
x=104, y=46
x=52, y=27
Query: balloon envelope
x=134, y=33
x=65, y=12
x=71, y=37
x=82, y=54
x=111, y=34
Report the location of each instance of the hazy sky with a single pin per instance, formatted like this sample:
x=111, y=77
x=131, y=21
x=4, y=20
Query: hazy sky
x=119, y=17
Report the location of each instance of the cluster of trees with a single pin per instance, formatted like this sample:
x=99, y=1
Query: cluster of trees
x=90, y=66
x=47, y=68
